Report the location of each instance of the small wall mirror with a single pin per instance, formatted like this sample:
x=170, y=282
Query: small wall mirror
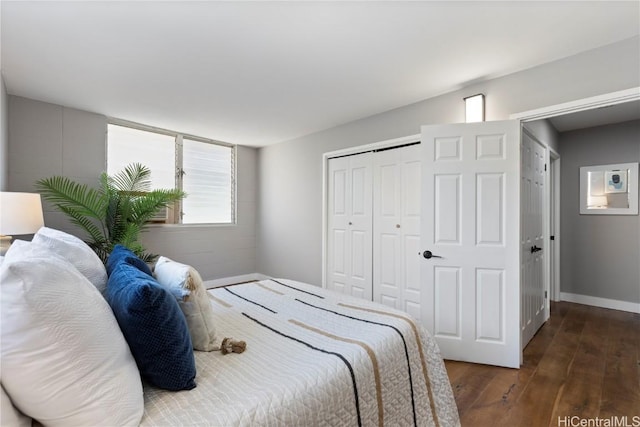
x=609, y=189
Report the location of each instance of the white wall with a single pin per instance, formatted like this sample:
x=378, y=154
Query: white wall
x=545, y=132
x=290, y=175
x=47, y=139
x=4, y=137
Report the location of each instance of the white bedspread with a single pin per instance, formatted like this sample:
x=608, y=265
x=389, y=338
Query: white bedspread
x=313, y=358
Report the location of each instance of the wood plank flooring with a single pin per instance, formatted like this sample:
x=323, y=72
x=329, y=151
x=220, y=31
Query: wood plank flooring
x=584, y=362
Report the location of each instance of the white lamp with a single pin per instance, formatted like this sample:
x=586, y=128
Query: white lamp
x=597, y=202
x=20, y=213
x=474, y=108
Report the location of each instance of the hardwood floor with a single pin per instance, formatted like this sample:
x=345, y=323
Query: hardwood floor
x=584, y=362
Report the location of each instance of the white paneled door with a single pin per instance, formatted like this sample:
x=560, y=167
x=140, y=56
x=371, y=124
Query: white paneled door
x=396, y=228
x=532, y=180
x=469, y=255
x=349, y=268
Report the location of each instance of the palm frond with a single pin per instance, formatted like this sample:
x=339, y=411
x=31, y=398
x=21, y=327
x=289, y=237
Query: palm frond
x=129, y=237
x=134, y=178
x=144, y=208
x=77, y=198
x=130, y=240
x=84, y=222
x=115, y=219
x=115, y=213
x=105, y=185
x=148, y=257
x=61, y=191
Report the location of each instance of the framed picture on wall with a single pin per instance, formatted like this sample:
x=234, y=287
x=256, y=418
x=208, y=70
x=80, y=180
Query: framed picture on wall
x=609, y=189
x=615, y=181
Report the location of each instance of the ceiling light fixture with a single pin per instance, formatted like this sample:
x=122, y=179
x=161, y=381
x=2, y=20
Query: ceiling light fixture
x=474, y=108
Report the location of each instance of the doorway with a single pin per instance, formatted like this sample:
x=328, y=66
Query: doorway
x=593, y=111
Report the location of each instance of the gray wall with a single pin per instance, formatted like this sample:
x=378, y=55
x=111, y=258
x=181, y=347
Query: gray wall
x=47, y=139
x=290, y=175
x=600, y=253
x=4, y=137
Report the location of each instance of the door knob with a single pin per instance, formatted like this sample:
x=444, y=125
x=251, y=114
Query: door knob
x=429, y=255
x=534, y=249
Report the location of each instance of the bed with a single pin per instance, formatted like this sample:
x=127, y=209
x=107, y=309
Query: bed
x=313, y=358
x=82, y=344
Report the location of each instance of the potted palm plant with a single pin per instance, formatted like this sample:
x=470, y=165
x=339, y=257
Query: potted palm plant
x=114, y=213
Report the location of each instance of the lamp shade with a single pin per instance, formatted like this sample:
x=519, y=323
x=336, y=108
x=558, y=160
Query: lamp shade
x=597, y=202
x=20, y=213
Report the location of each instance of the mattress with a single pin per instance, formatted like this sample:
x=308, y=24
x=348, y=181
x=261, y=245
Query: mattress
x=313, y=358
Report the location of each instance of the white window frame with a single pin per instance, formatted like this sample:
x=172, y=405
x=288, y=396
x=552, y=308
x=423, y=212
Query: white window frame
x=178, y=138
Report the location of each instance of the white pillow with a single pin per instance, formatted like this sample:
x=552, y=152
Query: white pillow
x=25, y=250
x=75, y=251
x=183, y=280
x=9, y=414
x=64, y=358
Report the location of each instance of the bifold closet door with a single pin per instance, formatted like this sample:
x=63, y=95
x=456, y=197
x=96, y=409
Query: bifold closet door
x=396, y=228
x=349, y=261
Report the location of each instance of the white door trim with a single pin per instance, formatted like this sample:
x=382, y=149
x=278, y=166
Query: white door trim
x=325, y=168
x=583, y=104
x=554, y=166
x=372, y=146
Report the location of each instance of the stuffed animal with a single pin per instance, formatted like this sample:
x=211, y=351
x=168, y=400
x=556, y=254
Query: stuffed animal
x=229, y=345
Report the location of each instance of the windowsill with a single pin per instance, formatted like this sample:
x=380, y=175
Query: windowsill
x=178, y=226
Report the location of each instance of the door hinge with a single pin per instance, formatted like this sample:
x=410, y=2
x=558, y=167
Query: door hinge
x=545, y=294
x=545, y=167
x=552, y=238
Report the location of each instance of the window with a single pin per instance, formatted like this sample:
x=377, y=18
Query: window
x=202, y=168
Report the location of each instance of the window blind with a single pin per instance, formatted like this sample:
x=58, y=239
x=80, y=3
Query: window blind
x=208, y=182
x=155, y=151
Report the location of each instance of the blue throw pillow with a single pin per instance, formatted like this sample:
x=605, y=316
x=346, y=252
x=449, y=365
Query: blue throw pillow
x=154, y=327
x=123, y=254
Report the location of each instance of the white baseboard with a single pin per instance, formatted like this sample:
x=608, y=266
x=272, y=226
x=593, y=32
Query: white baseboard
x=216, y=283
x=601, y=302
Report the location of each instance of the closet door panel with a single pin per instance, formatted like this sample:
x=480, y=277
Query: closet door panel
x=411, y=270
x=374, y=205
x=411, y=206
x=388, y=250
x=359, y=225
x=349, y=268
x=338, y=241
x=386, y=247
x=339, y=253
x=396, y=229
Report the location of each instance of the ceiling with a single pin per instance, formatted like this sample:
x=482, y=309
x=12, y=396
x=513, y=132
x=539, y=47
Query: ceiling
x=258, y=73
x=611, y=114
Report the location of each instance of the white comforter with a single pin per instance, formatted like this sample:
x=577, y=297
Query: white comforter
x=313, y=358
